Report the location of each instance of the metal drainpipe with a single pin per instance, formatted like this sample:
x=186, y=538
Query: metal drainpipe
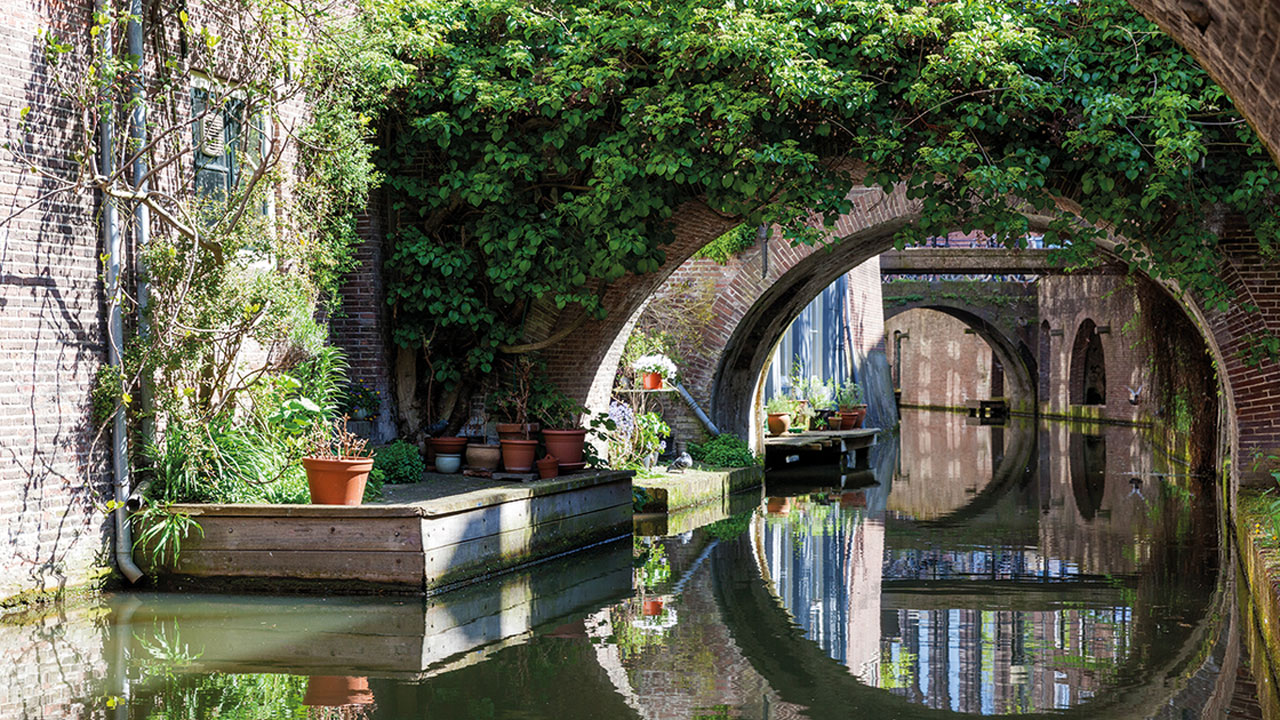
x=141, y=215
x=115, y=336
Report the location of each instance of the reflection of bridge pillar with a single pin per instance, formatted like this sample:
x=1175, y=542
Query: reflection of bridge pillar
x=864, y=567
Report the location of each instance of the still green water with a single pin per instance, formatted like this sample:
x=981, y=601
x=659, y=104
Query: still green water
x=974, y=570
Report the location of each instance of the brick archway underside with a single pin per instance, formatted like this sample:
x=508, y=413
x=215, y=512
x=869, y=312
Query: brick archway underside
x=1238, y=43
x=753, y=312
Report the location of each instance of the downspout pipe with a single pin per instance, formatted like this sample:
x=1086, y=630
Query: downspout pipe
x=141, y=214
x=697, y=411
x=115, y=334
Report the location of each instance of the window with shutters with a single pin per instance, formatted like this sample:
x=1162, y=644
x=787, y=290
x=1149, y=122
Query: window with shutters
x=228, y=144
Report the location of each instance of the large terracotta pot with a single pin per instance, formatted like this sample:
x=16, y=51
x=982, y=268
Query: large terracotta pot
x=652, y=381
x=859, y=415
x=517, y=455
x=337, y=482
x=449, y=445
x=779, y=423
x=566, y=445
x=484, y=457
x=337, y=690
x=847, y=419
x=516, y=431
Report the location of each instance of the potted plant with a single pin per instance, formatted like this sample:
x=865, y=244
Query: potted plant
x=510, y=403
x=362, y=402
x=562, y=434
x=337, y=464
x=852, y=411
x=779, y=411
x=655, y=368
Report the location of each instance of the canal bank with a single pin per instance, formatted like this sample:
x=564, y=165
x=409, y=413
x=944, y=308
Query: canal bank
x=692, y=488
x=422, y=538
x=1259, y=558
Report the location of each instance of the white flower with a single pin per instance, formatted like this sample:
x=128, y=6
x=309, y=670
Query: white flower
x=656, y=363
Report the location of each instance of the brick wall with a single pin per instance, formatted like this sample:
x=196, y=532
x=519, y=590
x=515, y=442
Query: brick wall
x=941, y=364
x=51, y=474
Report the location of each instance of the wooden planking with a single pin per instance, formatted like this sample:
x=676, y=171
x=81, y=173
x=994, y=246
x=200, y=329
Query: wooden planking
x=201, y=511
x=402, y=568
x=512, y=492
x=367, y=534
x=493, y=552
x=440, y=532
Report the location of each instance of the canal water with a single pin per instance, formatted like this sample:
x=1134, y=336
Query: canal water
x=1015, y=570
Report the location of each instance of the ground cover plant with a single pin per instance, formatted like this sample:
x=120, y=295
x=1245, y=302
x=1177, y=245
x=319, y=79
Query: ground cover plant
x=538, y=150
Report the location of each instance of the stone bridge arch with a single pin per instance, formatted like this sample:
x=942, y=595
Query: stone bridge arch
x=758, y=310
x=1011, y=330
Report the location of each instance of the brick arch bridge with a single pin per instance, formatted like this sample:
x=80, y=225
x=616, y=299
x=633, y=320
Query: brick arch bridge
x=1011, y=329
x=753, y=312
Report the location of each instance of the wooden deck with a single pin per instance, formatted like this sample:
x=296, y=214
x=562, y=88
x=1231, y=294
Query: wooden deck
x=854, y=442
x=423, y=538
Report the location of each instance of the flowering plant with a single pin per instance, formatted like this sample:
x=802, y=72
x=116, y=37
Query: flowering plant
x=655, y=363
x=362, y=399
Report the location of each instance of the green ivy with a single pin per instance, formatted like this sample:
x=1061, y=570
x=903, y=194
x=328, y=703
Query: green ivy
x=537, y=152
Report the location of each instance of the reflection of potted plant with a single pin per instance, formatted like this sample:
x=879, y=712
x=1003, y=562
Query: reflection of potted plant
x=338, y=464
x=852, y=411
x=655, y=368
x=779, y=411
x=337, y=691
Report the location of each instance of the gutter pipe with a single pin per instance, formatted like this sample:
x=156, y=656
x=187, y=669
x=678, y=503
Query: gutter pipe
x=115, y=336
x=693, y=404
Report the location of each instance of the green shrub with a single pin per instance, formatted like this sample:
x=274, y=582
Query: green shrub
x=399, y=462
x=724, y=451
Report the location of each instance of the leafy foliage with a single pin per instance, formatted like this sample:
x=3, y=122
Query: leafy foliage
x=539, y=151
x=400, y=462
x=724, y=248
x=724, y=450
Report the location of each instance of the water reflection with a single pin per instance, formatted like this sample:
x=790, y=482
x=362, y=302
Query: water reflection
x=987, y=570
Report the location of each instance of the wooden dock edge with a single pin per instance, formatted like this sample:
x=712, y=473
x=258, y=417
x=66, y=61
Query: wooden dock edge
x=412, y=548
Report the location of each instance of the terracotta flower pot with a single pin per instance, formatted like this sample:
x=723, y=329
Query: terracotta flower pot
x=833, y=422
x=449, y=445
x=859, y=415
x=484, y=457
x=779, y=423
x=652, y=381
x=847, y=419
x=548, y=467
x=566, y=445
x=516, y=431
x=337, y=482
x=517, y=455
x=337, y=690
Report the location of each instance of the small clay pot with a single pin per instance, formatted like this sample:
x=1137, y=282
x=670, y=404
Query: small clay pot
x=833, y=422
x=779, y=423
x=652, y=381
x=548, y=467
x=517, y=431
x=337, y=691
x=484, y=457
x=449, y=445
x=448, y=463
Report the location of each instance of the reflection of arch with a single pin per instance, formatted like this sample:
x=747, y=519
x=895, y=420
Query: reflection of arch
x=1088, y=462
x=802, y=673
x=1013, y=356
x=1016, y=463
x=1088, y=367
x=1043, y=360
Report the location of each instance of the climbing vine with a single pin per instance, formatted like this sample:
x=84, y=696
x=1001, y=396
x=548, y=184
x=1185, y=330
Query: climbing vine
x=537, y=151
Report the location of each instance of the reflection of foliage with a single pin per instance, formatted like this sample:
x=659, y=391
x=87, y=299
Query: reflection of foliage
x=172, y=696
x=715, y=712
x=731, y=528
x=630, y=639
x=652, y=566
x=899, y=672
